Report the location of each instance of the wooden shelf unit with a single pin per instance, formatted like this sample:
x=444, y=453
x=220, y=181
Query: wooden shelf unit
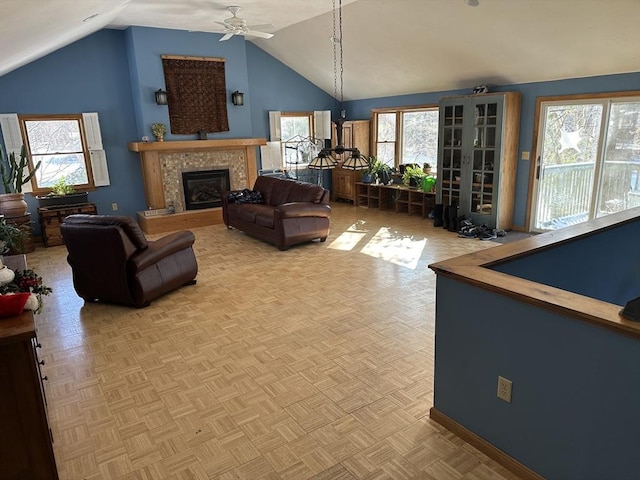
x=400, y=198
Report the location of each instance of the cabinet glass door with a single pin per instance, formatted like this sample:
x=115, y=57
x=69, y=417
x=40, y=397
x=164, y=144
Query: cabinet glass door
x=450, y=171
x=483, y=159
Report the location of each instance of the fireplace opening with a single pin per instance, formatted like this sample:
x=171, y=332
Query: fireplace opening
x=204, y=188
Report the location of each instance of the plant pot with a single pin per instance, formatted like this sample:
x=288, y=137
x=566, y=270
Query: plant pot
x=57, y=200
x=367, y=178
x=13, y=205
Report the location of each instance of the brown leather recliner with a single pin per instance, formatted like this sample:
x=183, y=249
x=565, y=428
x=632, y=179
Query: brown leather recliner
x=112, y=261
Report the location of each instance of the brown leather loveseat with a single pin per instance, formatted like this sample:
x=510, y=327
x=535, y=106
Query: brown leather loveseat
x=292, y=212
x=112, y=261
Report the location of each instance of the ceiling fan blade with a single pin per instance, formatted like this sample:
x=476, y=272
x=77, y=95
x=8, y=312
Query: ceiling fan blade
x=258, y=34
x=226, y=36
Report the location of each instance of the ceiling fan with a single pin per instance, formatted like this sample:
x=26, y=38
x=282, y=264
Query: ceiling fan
x=238, y=26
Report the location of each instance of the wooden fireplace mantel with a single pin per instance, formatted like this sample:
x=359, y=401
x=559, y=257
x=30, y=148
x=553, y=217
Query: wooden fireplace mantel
x=196, y=145
x=153, y=184
x=152, y=171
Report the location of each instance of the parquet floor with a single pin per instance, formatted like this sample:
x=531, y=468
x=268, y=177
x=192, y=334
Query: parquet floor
x=315, y=363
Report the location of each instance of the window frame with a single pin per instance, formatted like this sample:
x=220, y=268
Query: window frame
x=284, y=142
x=612, y=97
x=399, y=138
x=24, y=118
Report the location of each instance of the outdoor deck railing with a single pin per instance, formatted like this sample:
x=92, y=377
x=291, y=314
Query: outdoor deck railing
x=565, y=191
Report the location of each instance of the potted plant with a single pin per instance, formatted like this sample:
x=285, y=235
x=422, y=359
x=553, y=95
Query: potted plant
x=11, y=237
x=376, y=169
x=62, y=193
x=412, y=176
x=158, y=130
x=12, y=202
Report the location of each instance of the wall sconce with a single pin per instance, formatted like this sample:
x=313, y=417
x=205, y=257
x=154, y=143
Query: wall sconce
x=237, y=98
x=161, y=97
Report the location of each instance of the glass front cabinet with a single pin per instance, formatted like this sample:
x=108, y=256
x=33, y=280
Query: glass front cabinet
x=477, y=156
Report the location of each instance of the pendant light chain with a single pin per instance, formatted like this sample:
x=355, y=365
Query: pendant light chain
x=334, y=40
x=341, y=66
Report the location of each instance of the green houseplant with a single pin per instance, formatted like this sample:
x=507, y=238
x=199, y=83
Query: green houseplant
x=62, y=193
x=376, y=168
x=412, y=176
x=11, y=237
x=12, y=202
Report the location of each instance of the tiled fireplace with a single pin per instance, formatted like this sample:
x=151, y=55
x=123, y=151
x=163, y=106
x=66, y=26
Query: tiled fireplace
x=163, y=164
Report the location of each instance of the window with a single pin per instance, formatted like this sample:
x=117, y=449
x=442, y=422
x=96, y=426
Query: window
x=58, y=144
x=588, y=161
x=66, y=145
x=406, y=135
x=296, y=130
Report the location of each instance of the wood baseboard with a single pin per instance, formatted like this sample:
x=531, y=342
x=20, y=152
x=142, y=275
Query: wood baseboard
x=485, y=447
x=180, y=221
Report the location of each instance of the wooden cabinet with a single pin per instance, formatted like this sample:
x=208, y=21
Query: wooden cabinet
x=343, y=183
x=354, y=134
x=25, y=437
x=51, y=218
x=477, y=156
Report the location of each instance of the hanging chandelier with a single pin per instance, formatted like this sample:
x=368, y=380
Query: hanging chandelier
x=324, y=160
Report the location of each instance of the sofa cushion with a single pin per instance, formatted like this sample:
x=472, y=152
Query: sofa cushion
x=304, y=192
x=276, y=191
x=264, y=216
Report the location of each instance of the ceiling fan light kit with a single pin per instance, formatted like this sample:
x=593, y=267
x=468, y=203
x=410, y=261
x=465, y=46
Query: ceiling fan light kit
x=238, y=26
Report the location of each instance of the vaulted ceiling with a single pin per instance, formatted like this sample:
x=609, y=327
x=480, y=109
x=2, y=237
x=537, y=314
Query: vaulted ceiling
x=390, y=47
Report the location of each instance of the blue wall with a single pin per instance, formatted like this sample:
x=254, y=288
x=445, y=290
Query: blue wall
x=604, y=266
x=576, y=389
x=116, y=73
x=574, y=411
x=146, y=45
x=361, y=109
x=90, y=75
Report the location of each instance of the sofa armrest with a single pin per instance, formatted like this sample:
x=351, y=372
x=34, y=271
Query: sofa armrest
x=160, y=249
x=302, y=209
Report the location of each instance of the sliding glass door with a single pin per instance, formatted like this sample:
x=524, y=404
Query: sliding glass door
x=588, y=162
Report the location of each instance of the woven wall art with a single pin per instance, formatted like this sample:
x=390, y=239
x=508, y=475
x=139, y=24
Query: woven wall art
x=197, y=94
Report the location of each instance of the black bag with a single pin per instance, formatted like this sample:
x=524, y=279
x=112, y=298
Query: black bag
x=245, y=196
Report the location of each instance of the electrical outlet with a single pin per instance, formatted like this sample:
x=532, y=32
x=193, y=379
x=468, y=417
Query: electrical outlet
x=504, y=389
x=114, y=206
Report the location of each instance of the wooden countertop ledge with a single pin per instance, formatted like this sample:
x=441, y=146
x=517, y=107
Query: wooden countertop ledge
x=472, y=269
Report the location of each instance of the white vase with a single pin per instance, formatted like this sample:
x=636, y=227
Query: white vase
x=6, y=275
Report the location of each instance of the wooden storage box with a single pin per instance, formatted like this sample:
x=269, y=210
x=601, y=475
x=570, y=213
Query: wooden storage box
x=51, y=218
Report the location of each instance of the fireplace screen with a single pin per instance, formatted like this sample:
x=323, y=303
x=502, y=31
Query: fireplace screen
x=204, y=188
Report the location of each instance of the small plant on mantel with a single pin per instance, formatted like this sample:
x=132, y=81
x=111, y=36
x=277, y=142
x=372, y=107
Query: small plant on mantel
x=158, y=130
